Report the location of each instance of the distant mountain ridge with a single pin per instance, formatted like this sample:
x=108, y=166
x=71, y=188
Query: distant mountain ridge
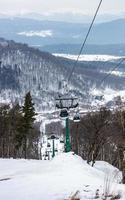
x=40, y=33
x=67, y=16
x=111, y=49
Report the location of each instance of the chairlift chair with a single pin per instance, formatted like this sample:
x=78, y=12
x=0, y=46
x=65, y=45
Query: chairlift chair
x=99, y=97
x=48, y=145
x=53, y=137
x=62, y=141
x=64, y=113
x=76, y=118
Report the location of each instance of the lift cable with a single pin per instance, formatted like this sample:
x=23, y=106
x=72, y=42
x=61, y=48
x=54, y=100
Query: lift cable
x=109, y=74
x=84, y=42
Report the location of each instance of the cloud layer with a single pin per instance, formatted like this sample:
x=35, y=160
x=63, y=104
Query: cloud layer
x=40, y=6
x=42, y=33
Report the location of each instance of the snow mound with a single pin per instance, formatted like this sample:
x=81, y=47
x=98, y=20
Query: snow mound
x=74, y=164
x=57, y=179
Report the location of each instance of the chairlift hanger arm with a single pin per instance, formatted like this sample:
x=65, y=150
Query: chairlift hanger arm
x=66, y=99
x=74, y=106
x=60, y=105
x=67, y=107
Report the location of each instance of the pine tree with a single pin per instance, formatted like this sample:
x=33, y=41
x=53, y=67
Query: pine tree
x=16, y=119
x=28, y=119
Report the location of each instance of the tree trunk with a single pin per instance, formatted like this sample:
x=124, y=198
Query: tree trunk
x=3, y=147
x=123, y=168
x=121, y=157
x=25, y=147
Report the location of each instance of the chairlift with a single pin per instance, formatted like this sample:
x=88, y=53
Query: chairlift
x=62, y=141
x=66, y=103
x=53, y=137
x=64, y=113
x=76, y=118
x=48, y=145
x=99, y=97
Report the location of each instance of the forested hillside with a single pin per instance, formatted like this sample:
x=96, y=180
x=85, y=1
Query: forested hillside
x=24, y=69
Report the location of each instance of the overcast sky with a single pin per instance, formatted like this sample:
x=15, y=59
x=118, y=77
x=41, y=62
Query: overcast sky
x=47, y=6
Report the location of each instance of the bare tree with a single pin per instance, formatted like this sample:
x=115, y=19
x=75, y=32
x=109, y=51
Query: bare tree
x=91, y=134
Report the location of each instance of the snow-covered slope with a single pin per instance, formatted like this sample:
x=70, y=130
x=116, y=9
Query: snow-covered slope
x=24, y=69
x=88, y=57
x=57, y=179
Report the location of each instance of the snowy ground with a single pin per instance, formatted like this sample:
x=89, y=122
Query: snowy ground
x=57, y=179
x=87, y=57
x=108, y=94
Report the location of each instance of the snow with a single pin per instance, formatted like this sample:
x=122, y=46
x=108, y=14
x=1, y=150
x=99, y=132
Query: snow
x=115, y=72
x=56, y=179
x=46, y=121
x=87, y=57
x=108, y=94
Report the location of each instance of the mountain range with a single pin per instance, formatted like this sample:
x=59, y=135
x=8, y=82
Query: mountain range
x=77, y=17
x=24, y=69
x=40, y=33
x=73, y=49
